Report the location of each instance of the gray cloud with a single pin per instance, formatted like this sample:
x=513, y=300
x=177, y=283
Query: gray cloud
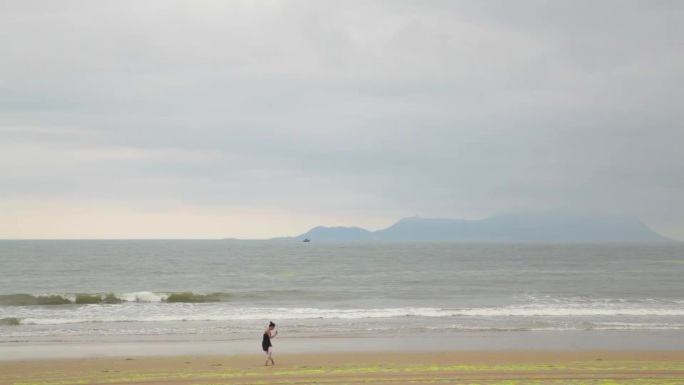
x=367, y=108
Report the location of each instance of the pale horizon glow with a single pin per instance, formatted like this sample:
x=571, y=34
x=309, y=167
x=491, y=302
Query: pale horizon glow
x=153, y=220
x=208, y=120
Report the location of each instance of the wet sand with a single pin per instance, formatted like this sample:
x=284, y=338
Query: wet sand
x=501, y=367
x=243, y=345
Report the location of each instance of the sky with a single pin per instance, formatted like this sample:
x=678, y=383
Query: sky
x=256, y=119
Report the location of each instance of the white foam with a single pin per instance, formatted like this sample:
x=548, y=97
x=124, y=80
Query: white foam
x=564, y=311
x=142, y=296
x=156, y=312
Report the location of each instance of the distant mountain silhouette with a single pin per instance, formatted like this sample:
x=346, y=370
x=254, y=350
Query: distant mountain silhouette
x=521, y=227
x=337, y=234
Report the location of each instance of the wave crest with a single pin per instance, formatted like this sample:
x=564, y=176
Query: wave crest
x=109, y=298
x=10, y=321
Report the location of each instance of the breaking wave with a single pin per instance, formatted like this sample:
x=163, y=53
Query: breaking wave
x=53, y=299
x=10, y=321
x=183, y=312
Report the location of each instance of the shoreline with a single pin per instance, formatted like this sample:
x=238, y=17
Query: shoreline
x=241, y=345
x=499, y=367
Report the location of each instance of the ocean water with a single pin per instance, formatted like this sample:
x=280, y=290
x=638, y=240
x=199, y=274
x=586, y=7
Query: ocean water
x=51, y=290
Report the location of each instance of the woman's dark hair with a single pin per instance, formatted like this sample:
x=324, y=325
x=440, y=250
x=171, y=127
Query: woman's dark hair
x=271, y=324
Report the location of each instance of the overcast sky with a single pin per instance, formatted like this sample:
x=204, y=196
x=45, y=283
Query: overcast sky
x=251, y=119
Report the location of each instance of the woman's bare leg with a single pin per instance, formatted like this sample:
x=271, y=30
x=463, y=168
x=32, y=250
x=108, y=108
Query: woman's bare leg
x=268, y=356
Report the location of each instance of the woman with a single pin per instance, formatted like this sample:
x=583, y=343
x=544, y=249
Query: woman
x=266, y=343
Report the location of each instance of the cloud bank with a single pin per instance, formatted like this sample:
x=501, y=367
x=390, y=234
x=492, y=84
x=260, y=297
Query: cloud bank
x=168, y=119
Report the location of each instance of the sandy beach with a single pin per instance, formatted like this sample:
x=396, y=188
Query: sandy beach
x=490, y=367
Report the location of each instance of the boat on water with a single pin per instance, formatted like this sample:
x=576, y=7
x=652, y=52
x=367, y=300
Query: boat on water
x=306, y=240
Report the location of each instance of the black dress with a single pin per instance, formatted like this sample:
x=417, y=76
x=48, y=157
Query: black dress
x=266, y=343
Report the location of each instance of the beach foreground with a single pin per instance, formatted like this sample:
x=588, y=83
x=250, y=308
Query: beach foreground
x=491, y=367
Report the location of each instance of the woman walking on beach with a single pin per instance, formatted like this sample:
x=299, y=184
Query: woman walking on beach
x=266, y=343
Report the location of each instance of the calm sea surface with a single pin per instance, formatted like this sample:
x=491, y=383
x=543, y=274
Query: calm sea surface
x=53, y=289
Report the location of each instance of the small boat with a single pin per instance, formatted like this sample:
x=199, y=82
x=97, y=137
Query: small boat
x=306, y=240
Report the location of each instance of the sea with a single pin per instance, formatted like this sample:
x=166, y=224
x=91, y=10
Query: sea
x=64, y=289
